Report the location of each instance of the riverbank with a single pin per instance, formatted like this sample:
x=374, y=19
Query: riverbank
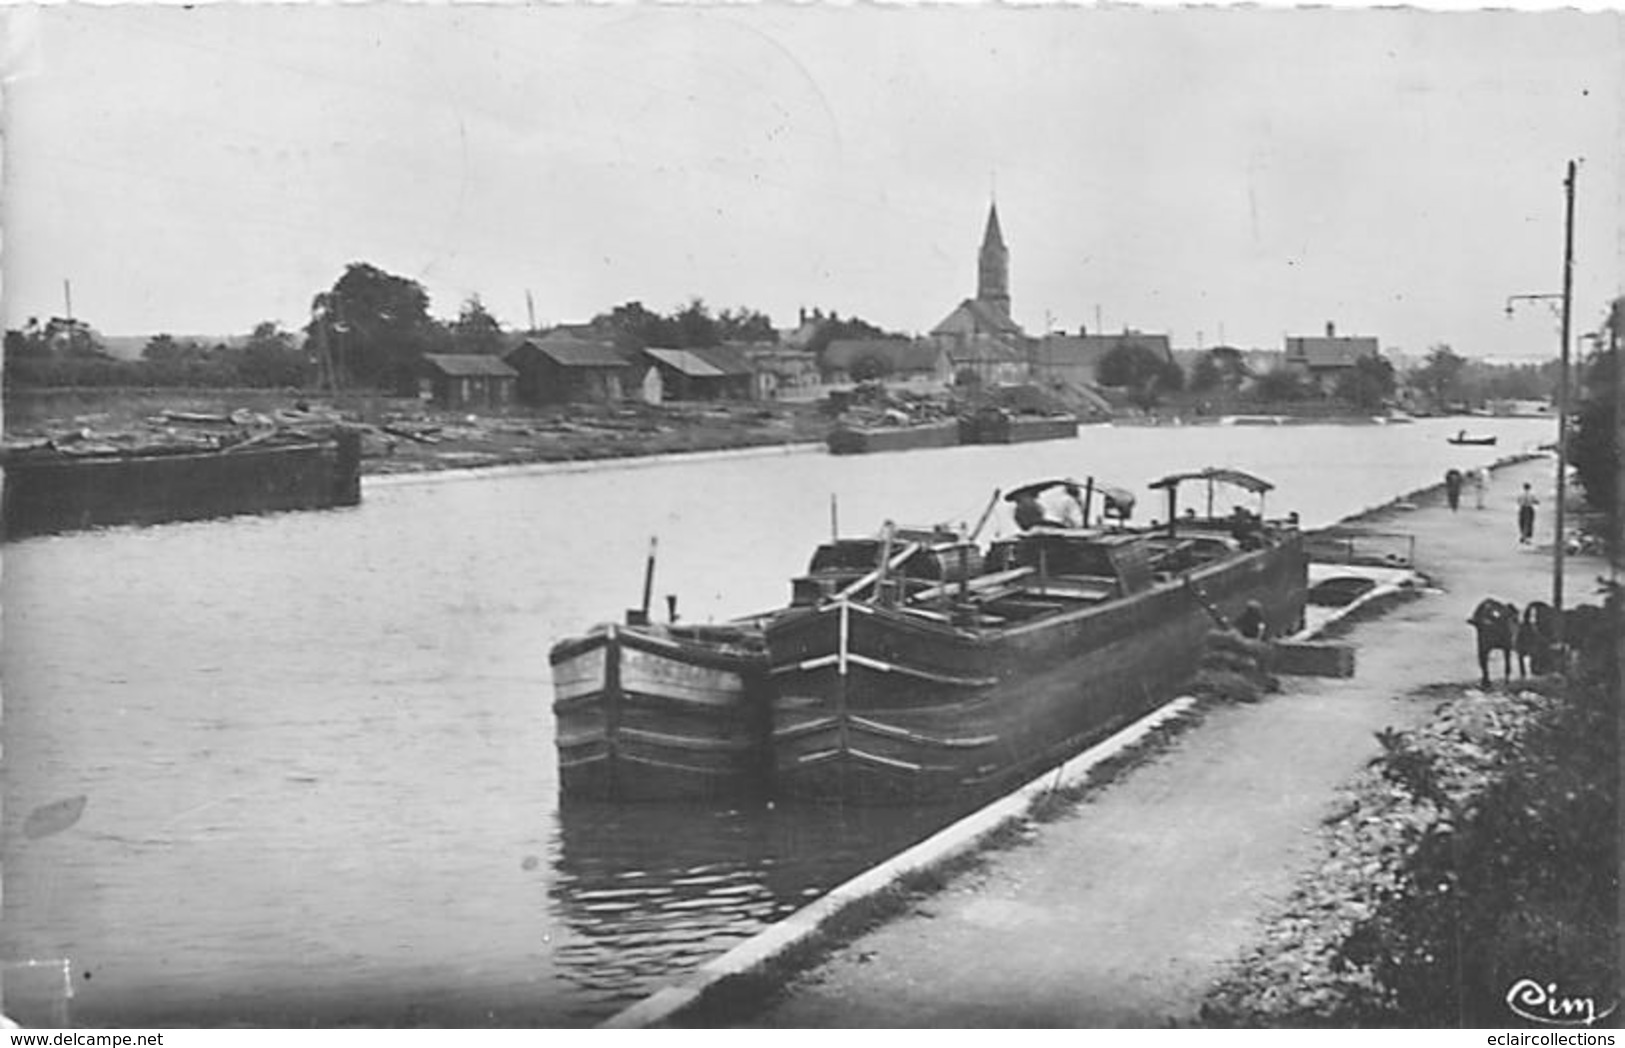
x=402, y=435
x=1126, y=910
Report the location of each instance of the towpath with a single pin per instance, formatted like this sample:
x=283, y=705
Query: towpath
x=1122, y=912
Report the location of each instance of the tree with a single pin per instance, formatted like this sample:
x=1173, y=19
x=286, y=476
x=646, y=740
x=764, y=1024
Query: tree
x=375, y=326
x=746, y=325
x=870, y=366
x=636, y=327
x=272, y=358
x=475, y=330
x=695, y=326
x=1280, y=385
x=833, y=327
x=163, y=349
x=1140, y=370
x=1438, y=379
x=1369, y=384
x=1594, y=439
x=1206, y=375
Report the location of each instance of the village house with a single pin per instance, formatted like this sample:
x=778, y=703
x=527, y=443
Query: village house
x=988, y=360
x=781, y=373
x=464, y=380
x=914, y=363
x=1322, y=360
x=1075, y=359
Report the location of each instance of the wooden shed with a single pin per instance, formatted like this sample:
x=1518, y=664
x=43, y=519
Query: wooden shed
x=560, y=369
x=704, y=373
x=459, y=380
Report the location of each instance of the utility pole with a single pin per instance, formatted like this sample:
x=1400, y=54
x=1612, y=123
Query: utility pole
x=530, y=310
x=67, y=298
x=1565, y=305
x=1563, y=402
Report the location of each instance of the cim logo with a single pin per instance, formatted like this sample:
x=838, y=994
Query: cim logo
x=1528, y=999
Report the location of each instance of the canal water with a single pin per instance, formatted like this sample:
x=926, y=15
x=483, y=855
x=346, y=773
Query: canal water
x=315, y=751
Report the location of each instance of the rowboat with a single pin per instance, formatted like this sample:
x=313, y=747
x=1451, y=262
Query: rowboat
x=940, y=692
x=1463, y=439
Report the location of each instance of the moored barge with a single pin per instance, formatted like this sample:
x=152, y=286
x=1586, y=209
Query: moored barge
x=995, y=425
x=975, y=684
x=47, y=490
x=648, y=711
x=853, y=439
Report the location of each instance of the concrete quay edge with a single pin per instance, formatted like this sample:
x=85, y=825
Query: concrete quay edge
x=958, y=839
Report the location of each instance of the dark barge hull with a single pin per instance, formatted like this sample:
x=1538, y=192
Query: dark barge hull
x=877, y=705
x=854, y=440
x=1017, y=429
x=49, y=493
x=647, y=713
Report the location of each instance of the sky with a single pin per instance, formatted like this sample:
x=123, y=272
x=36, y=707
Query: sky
x=1220, y=175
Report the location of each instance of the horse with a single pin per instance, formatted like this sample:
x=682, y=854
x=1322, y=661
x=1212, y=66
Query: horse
x=1496, y=623
x=1537, y=639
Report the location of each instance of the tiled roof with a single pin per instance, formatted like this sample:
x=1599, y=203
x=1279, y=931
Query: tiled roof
x=1319, y=351
x=687, y=362
x=985, y=316
x=467, y=364
x=1088, y=350
x=730, y=360
x=985, y=349
x=575, y=353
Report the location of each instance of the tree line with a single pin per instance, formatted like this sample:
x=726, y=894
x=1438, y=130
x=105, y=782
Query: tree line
x=369, y=330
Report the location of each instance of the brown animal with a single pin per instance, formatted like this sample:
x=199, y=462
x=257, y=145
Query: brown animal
x=1496, y=623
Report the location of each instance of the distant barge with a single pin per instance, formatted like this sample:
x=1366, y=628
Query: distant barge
x=849, y=439
x=998, y=426
x=47, y=491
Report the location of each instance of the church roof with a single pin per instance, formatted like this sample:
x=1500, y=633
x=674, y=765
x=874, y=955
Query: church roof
x=983, y=318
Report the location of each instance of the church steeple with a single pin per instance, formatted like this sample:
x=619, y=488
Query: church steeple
x=993, y=266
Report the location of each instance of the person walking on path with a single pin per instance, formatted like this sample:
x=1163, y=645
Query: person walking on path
x=1526, y=515
x=1452, y=488
x=1481, y=481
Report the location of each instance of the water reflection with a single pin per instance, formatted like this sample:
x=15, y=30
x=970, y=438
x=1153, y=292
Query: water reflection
x=651, y=891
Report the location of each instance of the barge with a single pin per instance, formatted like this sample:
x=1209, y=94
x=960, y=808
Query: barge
x=650, y=711
x=854, y=439
x=957, y=689
x=995, y=425
x=49, y=490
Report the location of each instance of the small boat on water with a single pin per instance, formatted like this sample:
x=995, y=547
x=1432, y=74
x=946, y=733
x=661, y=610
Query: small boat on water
x=938, y=692
x=51, y=489
x=652, y=711
x=1464, y=439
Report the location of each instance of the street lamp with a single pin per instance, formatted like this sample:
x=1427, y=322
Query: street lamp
x=1565, y=299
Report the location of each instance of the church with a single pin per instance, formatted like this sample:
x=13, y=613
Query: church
x=979, y=335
